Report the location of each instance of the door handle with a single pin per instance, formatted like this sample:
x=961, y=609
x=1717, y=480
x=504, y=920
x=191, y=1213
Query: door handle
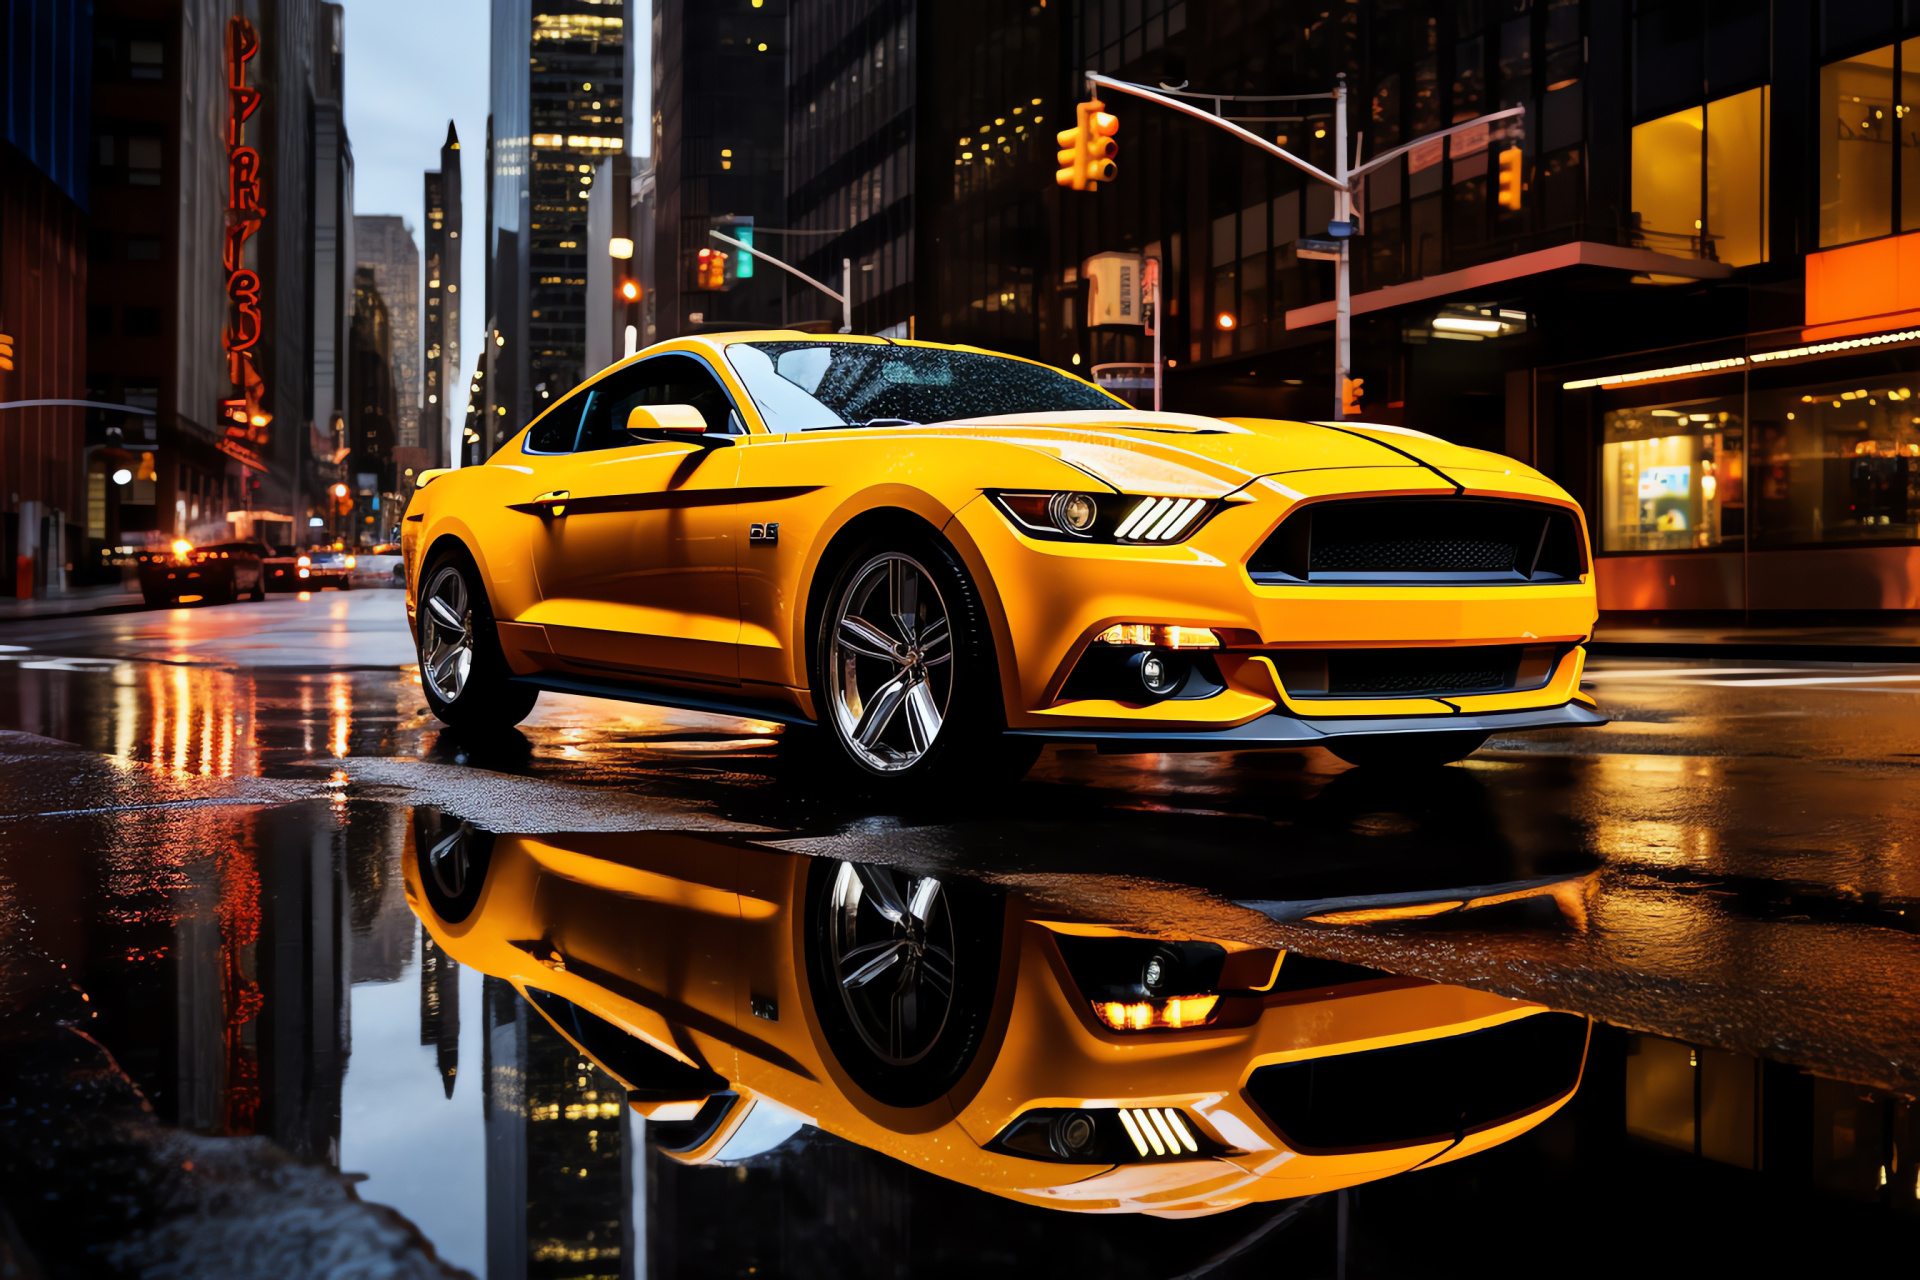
x=553, y=505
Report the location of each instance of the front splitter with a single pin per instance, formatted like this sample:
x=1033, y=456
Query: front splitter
x=1276, y=729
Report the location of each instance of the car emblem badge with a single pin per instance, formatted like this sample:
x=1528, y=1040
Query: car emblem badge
x=767, y=533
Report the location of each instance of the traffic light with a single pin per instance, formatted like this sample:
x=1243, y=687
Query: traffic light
x=6, y=352
x=1087, y=150
x=630, y=290
x=1351, y=391
x=710, y=272
x=1510, y=178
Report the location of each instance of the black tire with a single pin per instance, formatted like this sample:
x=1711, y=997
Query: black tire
x=970, y=743
x=484, y=695
x=927, y=1064
x=453, y=857
x=1406, y=750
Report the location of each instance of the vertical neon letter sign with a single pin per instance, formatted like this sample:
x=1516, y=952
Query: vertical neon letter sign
x=244, y=215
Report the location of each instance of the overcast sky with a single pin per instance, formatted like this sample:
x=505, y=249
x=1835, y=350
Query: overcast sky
x=411, y=66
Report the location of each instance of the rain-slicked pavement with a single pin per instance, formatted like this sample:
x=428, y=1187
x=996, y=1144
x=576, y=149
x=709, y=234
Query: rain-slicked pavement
x=219, y=987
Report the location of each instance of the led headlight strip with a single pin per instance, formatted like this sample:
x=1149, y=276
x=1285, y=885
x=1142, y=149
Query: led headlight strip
x=1158, y=519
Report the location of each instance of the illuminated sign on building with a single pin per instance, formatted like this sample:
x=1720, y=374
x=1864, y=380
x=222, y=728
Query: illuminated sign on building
x=246, y=419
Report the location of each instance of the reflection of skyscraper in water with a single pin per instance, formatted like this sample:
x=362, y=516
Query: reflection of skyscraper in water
x=558, y=1203
x=440, y=1007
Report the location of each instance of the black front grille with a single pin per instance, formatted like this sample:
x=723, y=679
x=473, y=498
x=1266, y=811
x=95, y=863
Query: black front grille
x=1422, y=540
x=1434, y=672
x=1433, y=1090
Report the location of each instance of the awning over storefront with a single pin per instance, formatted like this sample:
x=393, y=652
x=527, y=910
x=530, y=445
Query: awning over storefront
x=1580, y=253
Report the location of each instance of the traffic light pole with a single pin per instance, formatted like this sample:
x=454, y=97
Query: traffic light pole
x=1345, y=182
x=846, y=274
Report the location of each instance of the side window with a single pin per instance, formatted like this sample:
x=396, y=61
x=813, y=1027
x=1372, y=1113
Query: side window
x=555, y=432
x=668, y=379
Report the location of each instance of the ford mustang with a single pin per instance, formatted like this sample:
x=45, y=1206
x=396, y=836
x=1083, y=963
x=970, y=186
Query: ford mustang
x=940, y=559
x=732, y=989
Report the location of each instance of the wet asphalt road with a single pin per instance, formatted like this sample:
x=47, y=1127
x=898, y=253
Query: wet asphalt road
x=1733, y=863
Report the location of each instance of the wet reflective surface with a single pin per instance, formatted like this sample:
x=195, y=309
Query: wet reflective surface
x=230, y=970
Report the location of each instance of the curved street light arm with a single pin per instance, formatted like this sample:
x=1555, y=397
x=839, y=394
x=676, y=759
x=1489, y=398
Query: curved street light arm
x=1174, y=104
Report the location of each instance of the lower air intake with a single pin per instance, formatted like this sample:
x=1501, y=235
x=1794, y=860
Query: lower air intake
x=1432, y=1091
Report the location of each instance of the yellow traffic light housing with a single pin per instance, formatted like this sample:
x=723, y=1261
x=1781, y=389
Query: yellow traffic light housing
x=1510, y=161
x=710, y=271
x=1351, y=392
x=1087, y=150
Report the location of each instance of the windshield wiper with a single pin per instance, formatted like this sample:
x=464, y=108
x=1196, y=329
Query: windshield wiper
x=887, y=422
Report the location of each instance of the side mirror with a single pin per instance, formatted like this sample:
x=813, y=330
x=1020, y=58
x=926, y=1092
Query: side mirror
x=674, y=421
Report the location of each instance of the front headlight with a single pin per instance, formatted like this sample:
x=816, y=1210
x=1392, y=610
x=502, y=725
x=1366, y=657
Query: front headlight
x=1104, y=517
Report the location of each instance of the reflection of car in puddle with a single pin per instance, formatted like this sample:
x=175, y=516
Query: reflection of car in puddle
x=738, y=992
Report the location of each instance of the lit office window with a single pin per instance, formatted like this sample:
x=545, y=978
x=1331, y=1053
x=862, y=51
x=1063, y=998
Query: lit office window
x=1673, y=476
x=1700, y=180
x=1856, y=124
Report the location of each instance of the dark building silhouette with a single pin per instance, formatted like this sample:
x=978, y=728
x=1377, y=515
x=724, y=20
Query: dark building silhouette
x=371, y=411
x=48, y=502
x=440, y=1008
x=559, y=1202
x=719, y=162
x=442, y=406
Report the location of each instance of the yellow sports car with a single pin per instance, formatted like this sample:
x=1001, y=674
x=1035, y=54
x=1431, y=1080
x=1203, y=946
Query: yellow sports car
x=945, y=558
x=736, y=991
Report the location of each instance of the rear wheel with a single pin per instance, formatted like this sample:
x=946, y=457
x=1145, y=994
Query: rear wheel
x=1406, y=750
x=462, y=669
x=904, y=669
x=904, y=969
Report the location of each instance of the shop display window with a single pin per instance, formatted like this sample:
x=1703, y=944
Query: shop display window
x=1837, y=463
x=1673, y=476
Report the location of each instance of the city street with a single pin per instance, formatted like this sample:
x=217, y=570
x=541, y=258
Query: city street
x=198, y=800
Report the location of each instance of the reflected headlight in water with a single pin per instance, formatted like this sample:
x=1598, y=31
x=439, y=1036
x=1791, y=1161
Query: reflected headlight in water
x=1105, y=1135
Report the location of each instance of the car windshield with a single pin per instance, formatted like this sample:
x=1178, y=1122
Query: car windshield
x=802, y=386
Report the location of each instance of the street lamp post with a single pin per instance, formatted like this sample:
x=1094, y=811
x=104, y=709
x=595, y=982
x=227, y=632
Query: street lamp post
x=846, y=275
x=1344, y=180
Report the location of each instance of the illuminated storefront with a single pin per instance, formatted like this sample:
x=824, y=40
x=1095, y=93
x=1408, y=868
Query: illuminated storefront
x=1784, y=479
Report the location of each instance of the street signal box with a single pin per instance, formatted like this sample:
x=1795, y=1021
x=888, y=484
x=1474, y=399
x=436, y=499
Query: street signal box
x=1510, y=184
x=1087, y=150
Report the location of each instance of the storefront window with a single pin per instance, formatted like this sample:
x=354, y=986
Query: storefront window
x=1672, y=476
x=1837, y=463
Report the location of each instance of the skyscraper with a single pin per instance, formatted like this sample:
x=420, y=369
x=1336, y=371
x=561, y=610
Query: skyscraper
x=440, y=325
x=559, y=106
x=384, y=243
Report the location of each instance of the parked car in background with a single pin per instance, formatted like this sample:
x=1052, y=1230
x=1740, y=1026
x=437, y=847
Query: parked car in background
x=216, y=574
x=311, y=570
x=379, y=566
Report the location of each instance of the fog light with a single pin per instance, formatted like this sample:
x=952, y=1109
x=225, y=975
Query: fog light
x=1072, y=1135
x=1159, y=674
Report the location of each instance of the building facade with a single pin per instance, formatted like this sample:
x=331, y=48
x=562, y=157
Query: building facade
x=46, y=500
x=719, y=164
x=558, y=105
x=385, y=244
x=440, y=325
x=1674, y=282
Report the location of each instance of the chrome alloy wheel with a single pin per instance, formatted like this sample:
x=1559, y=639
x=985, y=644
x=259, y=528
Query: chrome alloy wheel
x=890, y=942
x=446, y=634
x=890, y=663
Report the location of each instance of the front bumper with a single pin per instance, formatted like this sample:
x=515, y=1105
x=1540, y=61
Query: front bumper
x=1052, y=598
x=1277, y=729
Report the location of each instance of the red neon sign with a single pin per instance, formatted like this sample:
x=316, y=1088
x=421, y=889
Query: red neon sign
x=245, y=213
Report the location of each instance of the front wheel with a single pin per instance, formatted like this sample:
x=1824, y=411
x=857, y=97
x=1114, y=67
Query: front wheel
x=462, y=669
x=904, y=671
x=904, y=970
x=1406, y=750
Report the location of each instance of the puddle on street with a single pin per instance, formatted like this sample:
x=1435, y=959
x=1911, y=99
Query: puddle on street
x=1155, y=1017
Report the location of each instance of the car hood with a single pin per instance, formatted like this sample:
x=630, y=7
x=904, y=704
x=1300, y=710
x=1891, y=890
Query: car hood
x=1187, y=455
